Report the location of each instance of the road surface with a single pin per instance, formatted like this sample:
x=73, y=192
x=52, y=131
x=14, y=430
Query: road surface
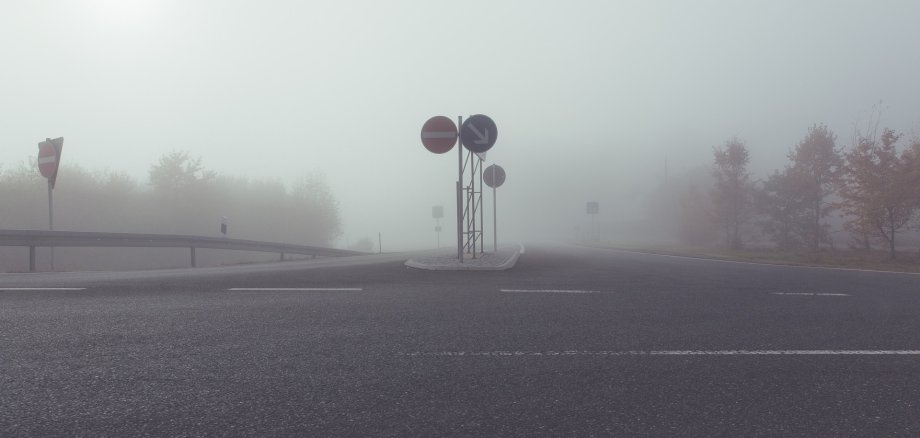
x=571, y=342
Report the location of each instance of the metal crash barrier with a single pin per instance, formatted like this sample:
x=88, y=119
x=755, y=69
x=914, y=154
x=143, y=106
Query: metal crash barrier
x=34, y=239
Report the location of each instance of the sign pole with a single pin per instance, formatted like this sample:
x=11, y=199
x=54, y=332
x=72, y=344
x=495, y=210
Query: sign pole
x=471, y=200
x=482, y=212
x=49, y=160
x=51, y=219
x=494, y=216
x=459, y=196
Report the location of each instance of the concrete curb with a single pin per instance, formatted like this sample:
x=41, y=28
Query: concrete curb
x=469, y=265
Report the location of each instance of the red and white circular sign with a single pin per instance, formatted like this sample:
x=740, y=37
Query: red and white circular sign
x=439, y=134
x=47, y=159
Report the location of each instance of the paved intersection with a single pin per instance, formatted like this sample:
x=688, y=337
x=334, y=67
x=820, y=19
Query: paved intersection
x=572, y=341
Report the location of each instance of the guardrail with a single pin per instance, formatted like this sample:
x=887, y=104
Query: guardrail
x=34, y=239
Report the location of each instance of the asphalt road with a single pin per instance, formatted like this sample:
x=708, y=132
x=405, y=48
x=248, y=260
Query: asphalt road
x=571, y=342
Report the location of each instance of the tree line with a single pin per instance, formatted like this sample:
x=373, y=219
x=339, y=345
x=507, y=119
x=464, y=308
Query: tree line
x=180, y=196
x=873, y=186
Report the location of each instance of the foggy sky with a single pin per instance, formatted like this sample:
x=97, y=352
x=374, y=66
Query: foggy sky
x=590, y=97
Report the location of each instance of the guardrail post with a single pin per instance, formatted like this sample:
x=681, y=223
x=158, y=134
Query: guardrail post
x=194, y=263
x=31, y=259
x=282, y=257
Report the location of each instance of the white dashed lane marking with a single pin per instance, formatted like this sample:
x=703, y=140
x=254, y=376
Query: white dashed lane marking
x=295, y=289
x=811, y=294
x=549, y=291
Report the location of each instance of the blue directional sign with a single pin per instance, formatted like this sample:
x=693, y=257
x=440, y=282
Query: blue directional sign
x=478, y=133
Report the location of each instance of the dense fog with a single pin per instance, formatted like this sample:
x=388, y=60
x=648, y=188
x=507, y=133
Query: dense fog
x=305, y=116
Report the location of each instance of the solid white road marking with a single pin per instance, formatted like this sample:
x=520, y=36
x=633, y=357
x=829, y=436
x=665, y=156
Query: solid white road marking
x=301, y=289
x=668, y=353
x=40, y=288
x=550, y=291
x=812, y=294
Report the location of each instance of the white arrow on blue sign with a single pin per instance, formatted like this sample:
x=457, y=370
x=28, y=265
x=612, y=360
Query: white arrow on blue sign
x=478, y=133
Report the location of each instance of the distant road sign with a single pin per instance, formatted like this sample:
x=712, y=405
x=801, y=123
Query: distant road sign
x=49, y=158
x=439, y=134
x=493, y=176
x=593, y=207
x=437, y=211
x=478, y=133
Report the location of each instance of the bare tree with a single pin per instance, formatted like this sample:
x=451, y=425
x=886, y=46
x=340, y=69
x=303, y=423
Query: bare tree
x=731, y=193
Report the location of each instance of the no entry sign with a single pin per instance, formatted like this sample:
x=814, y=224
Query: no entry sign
x=439, y=134
x=49, y=158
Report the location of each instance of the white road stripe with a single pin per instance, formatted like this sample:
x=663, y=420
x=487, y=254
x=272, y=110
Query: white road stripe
x=665, y=353
x=301, y=289
x=812, y=294
x=550, y=291
x=40, y=288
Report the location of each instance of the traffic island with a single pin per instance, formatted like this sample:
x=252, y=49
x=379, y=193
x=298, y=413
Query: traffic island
x=503, y=259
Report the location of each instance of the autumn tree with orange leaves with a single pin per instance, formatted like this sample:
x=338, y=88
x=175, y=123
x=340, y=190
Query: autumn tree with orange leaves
x=880, y=188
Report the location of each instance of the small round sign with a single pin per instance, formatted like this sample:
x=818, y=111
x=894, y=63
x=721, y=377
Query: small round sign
x=478, y=133
x=439, y=134
x=493, y=176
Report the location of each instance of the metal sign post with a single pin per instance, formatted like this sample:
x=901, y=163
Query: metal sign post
x=593, y=208
x=494, y=177
x=477, y=134
x=460, y=197
x=51, y=218
x=482, y=222
x=494, y=221
x=49, y=161
x=437, y=212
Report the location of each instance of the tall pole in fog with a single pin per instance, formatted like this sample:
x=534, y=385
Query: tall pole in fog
x=51, y=218
x=459, y=196
x=494, y=216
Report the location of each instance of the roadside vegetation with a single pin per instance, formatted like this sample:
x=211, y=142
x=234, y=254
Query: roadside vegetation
x=180, y=196
x=854, y=205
